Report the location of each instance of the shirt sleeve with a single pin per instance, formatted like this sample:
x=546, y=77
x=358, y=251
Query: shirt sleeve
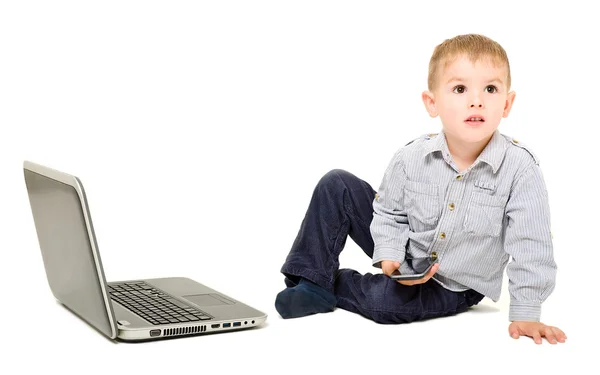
x=528, y=240
x=389, y=227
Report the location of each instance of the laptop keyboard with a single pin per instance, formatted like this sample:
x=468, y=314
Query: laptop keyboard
x=154, y=305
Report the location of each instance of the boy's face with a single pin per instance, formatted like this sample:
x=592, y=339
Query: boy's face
x=470, y=98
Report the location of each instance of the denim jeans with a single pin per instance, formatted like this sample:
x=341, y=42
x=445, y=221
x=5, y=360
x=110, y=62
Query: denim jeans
x=341, y=206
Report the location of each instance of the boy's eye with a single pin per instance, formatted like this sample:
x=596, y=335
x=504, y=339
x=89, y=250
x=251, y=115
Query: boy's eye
x=459, y=89
x=491, y=89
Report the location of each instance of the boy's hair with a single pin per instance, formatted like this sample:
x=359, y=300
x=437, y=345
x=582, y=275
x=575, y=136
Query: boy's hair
x=474, y=46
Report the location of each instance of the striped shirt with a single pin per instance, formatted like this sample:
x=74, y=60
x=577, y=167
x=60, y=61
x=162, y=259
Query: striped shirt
x=473, y=221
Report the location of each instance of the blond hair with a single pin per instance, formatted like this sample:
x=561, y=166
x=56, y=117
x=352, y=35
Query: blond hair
x=473, y=46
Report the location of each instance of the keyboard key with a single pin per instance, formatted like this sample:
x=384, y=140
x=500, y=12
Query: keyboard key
x=176, y=302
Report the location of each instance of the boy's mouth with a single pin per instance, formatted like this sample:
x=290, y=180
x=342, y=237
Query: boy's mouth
x=475, y=119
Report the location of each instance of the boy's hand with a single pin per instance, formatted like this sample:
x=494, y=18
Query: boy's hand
x=389, y=267
x=536, y=330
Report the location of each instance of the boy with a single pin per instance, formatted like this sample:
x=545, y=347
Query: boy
x=466, y=200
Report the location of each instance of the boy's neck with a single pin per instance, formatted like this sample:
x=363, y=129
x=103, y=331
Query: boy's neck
x=463, y=153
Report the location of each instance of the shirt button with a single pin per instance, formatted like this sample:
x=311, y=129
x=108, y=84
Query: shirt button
x=459, y=177
x=451, y=206
x=442, y=235
x=433, y=256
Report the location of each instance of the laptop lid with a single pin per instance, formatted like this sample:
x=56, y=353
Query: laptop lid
x=68, y=245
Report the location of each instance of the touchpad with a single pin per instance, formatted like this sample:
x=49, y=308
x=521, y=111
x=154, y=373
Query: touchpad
x=208, y=299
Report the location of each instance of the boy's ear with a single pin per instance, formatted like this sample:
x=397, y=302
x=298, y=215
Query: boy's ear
x=510, y=98
x=429, y=101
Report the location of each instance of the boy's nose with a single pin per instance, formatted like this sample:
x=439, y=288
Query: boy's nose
x=476, y=102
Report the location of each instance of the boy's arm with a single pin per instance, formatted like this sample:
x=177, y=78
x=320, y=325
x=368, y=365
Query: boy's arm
x=528, y=241
x=389, y=227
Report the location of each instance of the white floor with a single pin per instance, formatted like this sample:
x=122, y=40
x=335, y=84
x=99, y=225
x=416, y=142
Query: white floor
x=337, y=342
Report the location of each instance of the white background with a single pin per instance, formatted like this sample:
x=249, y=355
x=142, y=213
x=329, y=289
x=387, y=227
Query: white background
x=199, y=130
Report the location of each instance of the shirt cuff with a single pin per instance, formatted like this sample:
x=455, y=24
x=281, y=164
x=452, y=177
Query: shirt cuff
x=387, y=253
x=525, y=311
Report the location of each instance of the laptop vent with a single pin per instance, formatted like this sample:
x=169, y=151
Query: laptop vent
x=184, y=330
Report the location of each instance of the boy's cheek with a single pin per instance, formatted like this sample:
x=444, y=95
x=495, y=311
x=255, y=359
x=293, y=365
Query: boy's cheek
x=449, y=115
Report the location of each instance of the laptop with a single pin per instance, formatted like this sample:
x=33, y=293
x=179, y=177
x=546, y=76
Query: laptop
x=127, y=310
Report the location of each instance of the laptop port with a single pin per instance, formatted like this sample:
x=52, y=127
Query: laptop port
x=215, y=326
x=226, y=325
x=237, y=324
x=155, y=332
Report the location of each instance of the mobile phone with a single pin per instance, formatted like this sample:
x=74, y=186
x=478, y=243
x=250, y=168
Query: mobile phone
x=397, y=276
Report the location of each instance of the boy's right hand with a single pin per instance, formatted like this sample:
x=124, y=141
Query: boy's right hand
x=389, y=267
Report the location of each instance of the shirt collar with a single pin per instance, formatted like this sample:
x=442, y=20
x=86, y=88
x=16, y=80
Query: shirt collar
x=492, y=154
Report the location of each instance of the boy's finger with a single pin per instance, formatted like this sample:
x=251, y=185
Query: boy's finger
x=513, y=331
x=429, y=275
x=537, y=337
x=550, y=335
x=390, y=268
x=431, y=272
x=560, y=335
x=409, y=282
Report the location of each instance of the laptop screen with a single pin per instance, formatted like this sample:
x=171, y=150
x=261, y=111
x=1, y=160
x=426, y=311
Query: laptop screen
x=66, y=248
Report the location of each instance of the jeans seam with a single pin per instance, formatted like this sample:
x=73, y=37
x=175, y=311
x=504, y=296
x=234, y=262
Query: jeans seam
x=332, y=269
x=350, y=211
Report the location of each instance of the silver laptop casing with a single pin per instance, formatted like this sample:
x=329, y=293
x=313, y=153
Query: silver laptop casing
x=76, y=277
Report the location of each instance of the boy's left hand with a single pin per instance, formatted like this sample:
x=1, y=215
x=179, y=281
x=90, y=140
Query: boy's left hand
x=536, y=330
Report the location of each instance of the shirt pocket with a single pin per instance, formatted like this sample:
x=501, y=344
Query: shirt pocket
x=485, y=214
x=422, y=205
